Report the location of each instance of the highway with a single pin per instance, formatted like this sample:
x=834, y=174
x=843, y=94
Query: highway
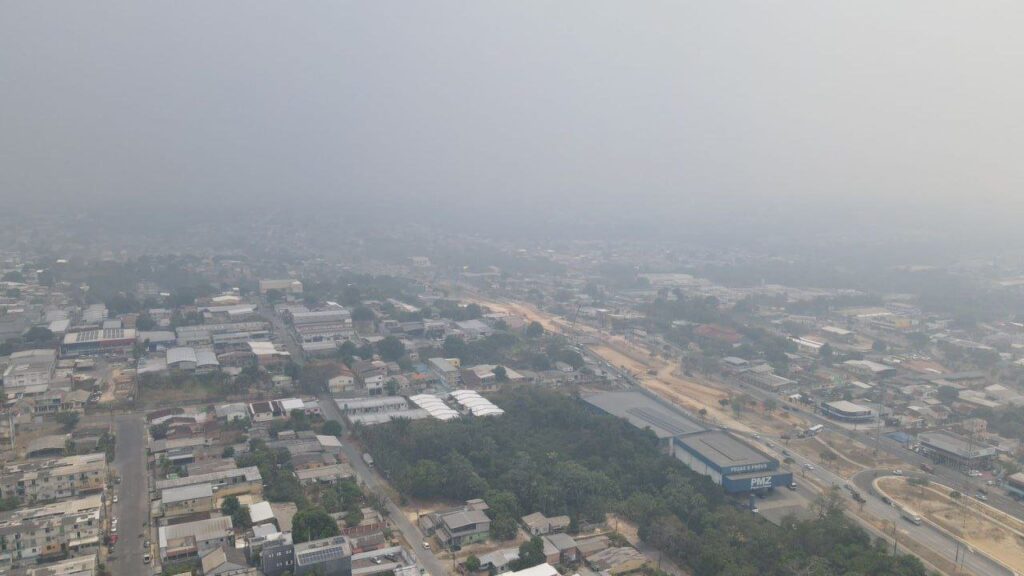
x=925, y=535
x=132, y=507
x=424, y=558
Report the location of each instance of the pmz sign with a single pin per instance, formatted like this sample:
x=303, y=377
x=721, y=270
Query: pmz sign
x=761, y=483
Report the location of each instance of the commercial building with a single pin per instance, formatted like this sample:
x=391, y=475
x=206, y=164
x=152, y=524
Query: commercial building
x=333, y=324
x=98, y=341
x=956, y=452
x=29, y=368
x=189, y=540
x=869, y=369
x=730, y=462
x=286, y=285
x=54, y=479
x=50, y=531
x=1015, y=485
x=224, y=483
x=847, y=411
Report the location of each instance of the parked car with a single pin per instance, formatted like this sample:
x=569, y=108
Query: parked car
x=146, y=559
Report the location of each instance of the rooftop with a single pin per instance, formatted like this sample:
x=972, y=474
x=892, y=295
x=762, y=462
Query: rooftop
x=724, y=450
x=644, y=412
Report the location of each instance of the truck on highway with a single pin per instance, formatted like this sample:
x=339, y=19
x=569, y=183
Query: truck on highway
x=813, y=430
x=368, y=459
x=910, y=516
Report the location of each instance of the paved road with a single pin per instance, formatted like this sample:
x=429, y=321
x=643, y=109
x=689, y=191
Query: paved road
x=132, y=507
x=925, y=535
x=373, y=481
x=282, y=333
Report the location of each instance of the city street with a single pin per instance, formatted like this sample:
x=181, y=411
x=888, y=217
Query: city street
x=132, y=507
x=926, y=535
x=373, y=481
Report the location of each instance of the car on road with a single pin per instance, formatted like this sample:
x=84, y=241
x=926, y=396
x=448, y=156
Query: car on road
x=426, y=545
x=808, y=466
x=791, y=486
x=146, y=544
x=115, y=498
x=974, y=473
x=981, y=497
x=897, y=472
x=146, y=559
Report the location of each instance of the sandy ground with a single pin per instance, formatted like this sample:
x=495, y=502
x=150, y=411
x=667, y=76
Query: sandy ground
x=997, y=535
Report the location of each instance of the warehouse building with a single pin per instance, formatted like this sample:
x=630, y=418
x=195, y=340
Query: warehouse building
x=645, y=412
x=730, y=462
x=846, y=411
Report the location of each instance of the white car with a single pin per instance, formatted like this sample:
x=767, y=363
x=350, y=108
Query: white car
x=115, y=498
x=426, y=545
x=974, y=473
x=809, y=466
x=897, y=472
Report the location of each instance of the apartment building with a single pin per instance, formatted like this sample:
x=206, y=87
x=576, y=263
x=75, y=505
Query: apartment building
x=50, y=531
x=54, y=479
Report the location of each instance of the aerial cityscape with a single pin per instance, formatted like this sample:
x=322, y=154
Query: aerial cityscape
x=511, y=289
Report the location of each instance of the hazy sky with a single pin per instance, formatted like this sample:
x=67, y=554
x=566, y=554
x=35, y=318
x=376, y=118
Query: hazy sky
x=751, y=110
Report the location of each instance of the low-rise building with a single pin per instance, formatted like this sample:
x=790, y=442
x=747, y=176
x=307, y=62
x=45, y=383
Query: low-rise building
x=50, y=531
x=54, y=479
x=185, y=500
x=225, y=482
x=189, y=540
x=325, y=556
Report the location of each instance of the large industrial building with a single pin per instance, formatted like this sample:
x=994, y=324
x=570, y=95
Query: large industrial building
x=737, y=466
x=729, y=461
x=847, y=411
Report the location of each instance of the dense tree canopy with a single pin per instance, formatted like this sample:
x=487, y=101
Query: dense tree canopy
x=549, y=454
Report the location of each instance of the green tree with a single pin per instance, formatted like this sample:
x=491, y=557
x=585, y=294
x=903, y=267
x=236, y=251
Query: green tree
x=472, y=563
x=230, y=505
x=229, y=452
x=826, y=353
x=332, y=428
x=500, y=374
x=531, y=553
x=313, y=524
x=391, y=349
x=534, y=330
x=455, y=347
x=38, y=335
x=947, y=394
x=145, y=322
x=363, y=314
x=68, y=420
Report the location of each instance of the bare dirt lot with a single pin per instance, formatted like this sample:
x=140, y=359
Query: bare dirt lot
x=998, y=535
